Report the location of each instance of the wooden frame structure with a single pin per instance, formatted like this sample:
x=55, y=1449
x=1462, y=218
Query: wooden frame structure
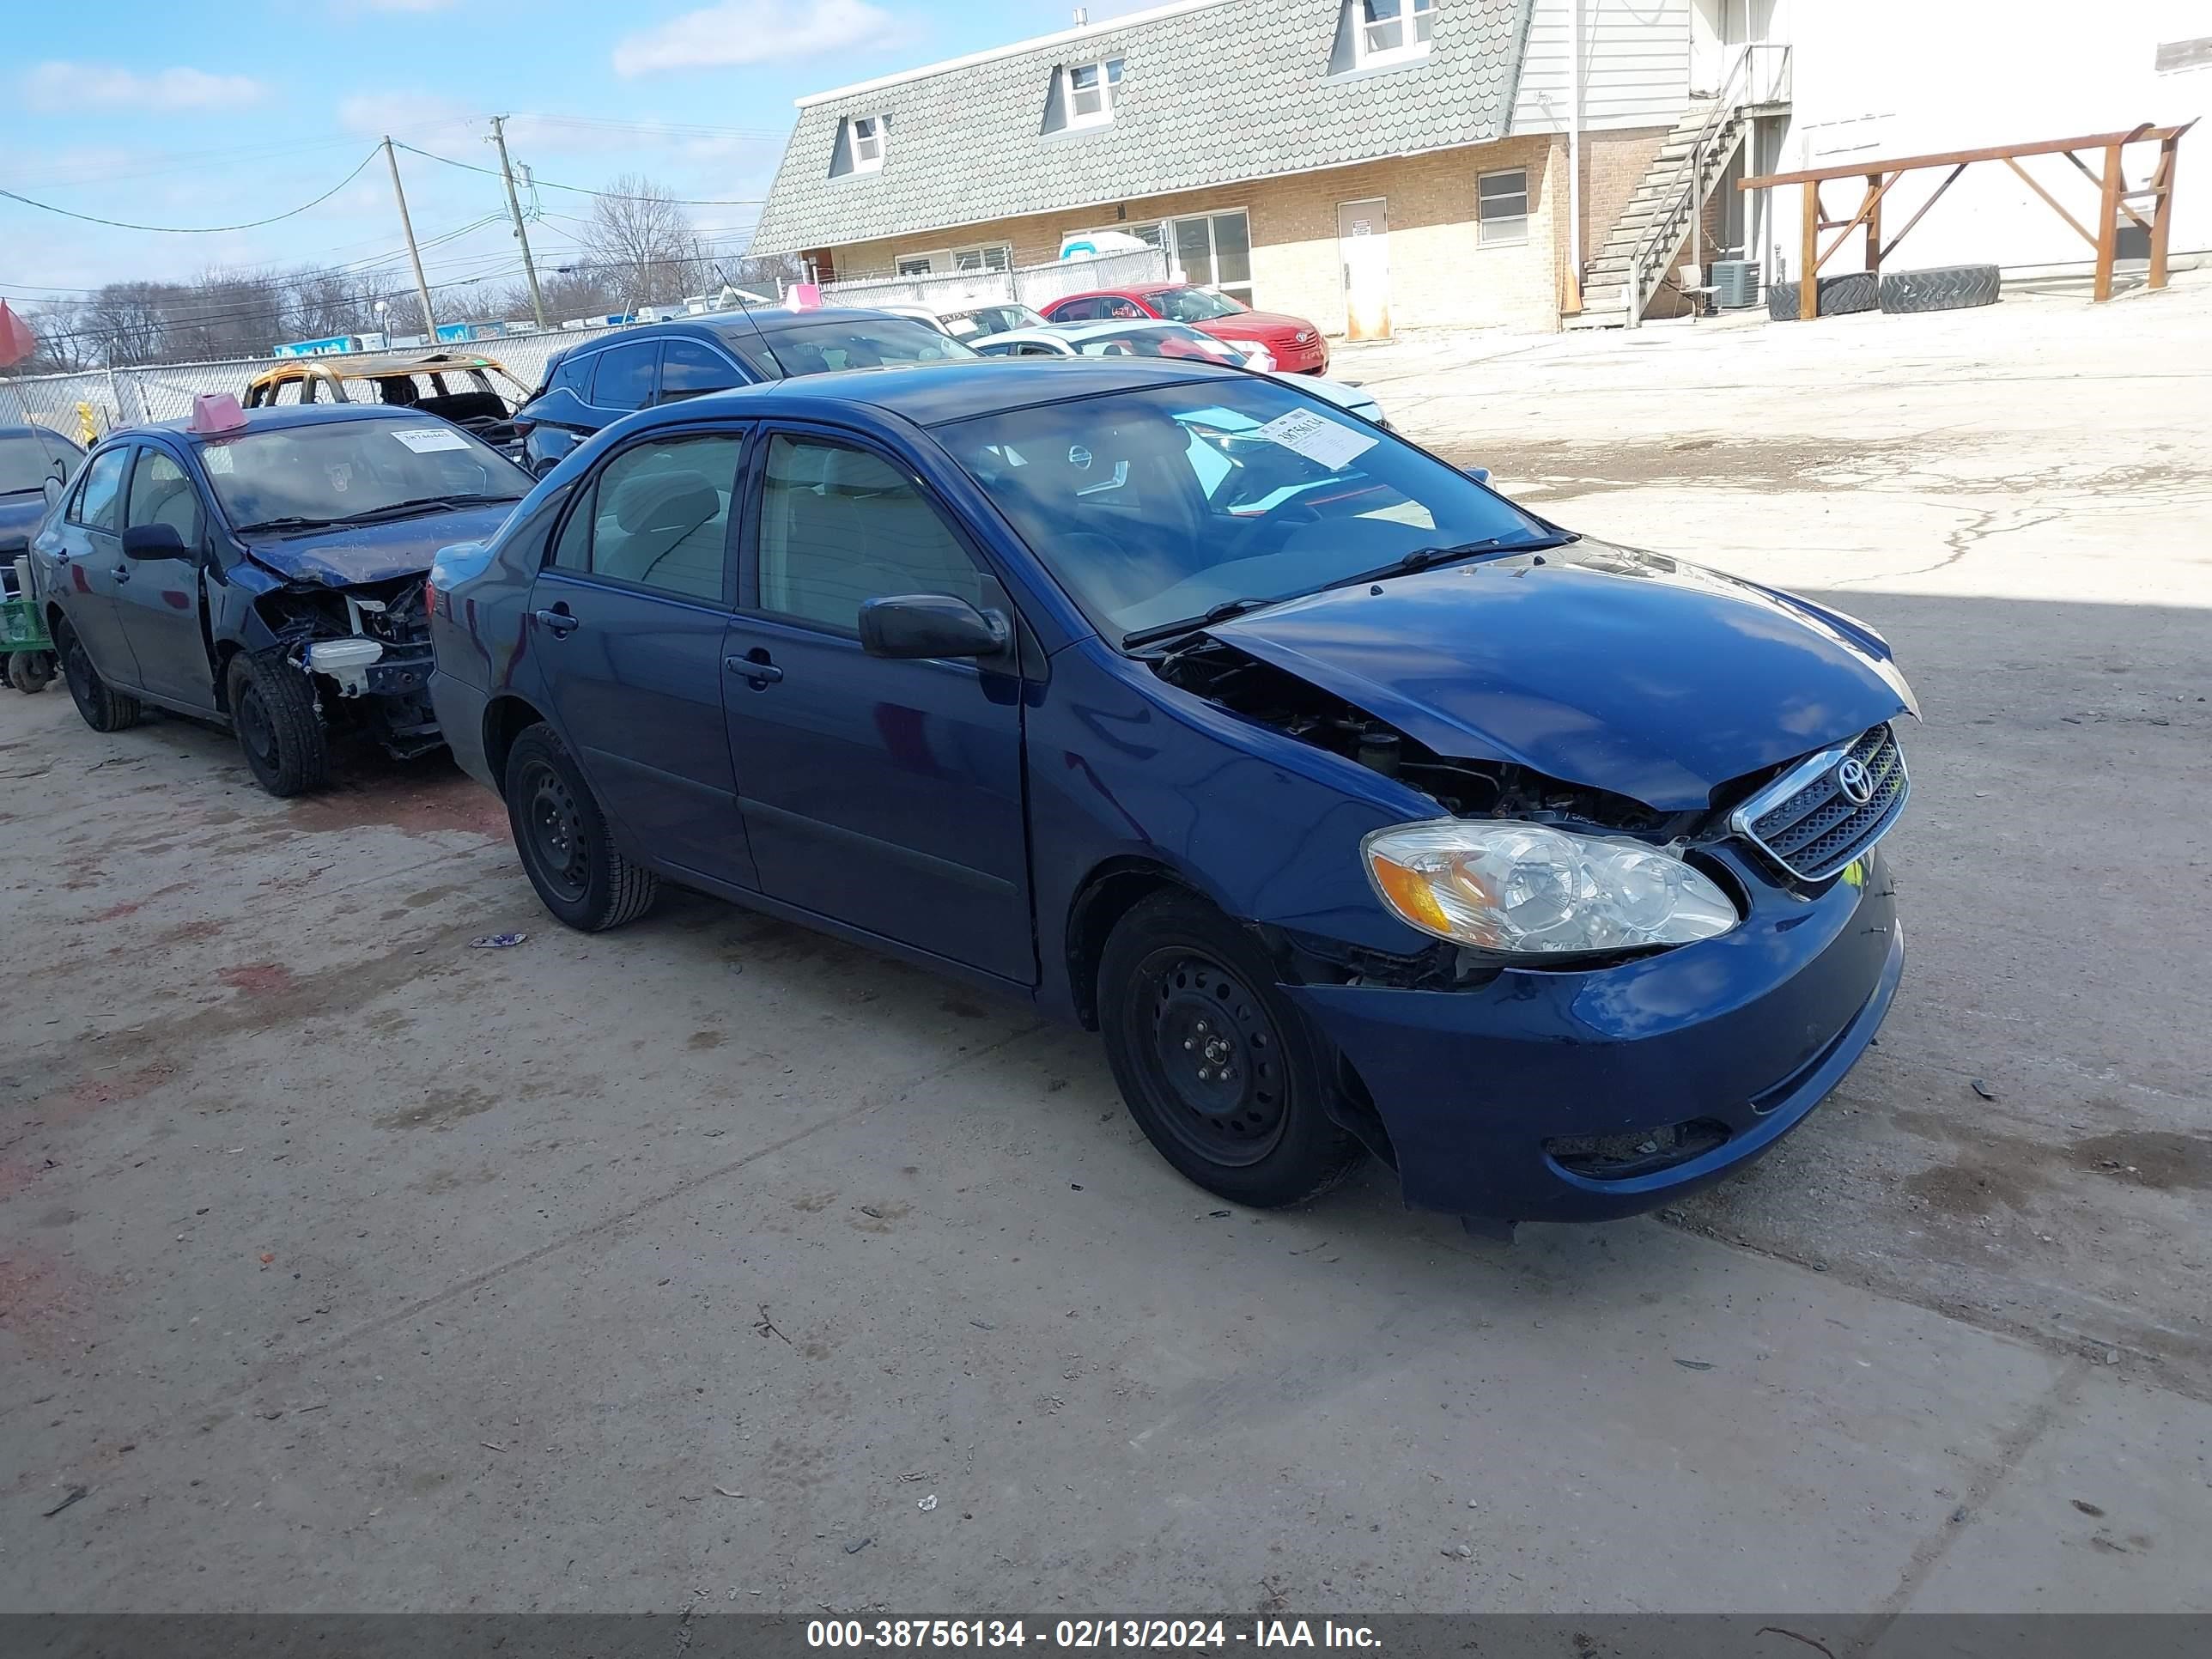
x=2114, y=200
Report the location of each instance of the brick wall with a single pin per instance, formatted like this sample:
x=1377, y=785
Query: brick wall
x=1614, y=164
x=1441, y=276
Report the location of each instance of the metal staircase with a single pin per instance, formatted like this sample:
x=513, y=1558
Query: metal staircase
x=1648, y=238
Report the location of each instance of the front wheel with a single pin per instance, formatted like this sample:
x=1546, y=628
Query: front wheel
x=1217, y=1067
x=272, y=707
x=568, y=851
x=104, y=708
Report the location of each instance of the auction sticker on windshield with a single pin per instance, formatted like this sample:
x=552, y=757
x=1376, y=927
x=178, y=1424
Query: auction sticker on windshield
x=1319, y=439
x=423, y=439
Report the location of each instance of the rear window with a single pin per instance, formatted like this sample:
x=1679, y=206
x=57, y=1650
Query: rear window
x=824, y=347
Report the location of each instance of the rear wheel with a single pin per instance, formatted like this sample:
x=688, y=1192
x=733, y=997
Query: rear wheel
x=272, y=709
x=566, y=849
x=1217, y=1067
x=104, y=709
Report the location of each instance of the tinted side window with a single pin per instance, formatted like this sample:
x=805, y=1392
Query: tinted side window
x=1079, y=311
x=624, y=377
x=573, y=375
x=99, y=502
x=839, y=525
x=161, y=494
x=689, y=368
x=660, y=516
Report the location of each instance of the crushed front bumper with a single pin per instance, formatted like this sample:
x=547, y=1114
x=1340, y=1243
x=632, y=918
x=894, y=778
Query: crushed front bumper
x=1580, y=1096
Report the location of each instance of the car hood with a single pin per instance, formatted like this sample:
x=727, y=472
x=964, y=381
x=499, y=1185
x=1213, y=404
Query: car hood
x=1257, y=325
x=19, y=517
x=1342, y=393
x=349, y=554
x=1596, y=664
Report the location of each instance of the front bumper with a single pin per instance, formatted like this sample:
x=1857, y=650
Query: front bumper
x=1742, y=1036
x=1294, y=359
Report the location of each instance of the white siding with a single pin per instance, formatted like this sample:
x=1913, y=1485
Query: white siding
x=2049, y=70
x=1636, y=64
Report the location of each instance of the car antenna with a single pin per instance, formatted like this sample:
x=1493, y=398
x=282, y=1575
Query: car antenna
x=745, y=306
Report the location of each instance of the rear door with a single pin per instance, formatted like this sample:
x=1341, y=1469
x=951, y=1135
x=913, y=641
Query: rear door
x=158, y=600
x=886, y=795
x=627, y=620
x=91, y=554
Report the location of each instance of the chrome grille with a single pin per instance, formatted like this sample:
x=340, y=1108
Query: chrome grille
x=1805, y=821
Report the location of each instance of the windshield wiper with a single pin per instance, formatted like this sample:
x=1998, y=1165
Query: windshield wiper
x=1221, y=613
x=1421, y=558
x=290, y=521
x=420, y=504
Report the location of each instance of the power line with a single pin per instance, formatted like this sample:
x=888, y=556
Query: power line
x=197, y=230
x=578, y=189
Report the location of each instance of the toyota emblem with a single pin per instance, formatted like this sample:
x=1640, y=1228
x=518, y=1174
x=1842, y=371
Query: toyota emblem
x=1855, y=782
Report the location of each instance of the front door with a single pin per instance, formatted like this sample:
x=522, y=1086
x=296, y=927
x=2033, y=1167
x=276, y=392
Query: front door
x=1363, y=239
x=883, y=794
x=160, y=602
x=90, y=563
x=627, y=622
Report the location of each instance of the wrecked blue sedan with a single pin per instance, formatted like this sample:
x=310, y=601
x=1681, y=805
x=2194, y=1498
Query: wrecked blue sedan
x=1360, y=810
x=264, y=571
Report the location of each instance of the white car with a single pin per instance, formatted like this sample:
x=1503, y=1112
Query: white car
x=1152, y=338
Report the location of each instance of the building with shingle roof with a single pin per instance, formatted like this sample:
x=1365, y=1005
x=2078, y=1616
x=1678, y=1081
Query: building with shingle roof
x=1360, y=162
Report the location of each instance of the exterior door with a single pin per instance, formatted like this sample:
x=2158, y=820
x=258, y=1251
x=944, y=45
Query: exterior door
x=158, y=600
x=886, y=795
x=1363, y=238
x=91, y=555
x=627, y=622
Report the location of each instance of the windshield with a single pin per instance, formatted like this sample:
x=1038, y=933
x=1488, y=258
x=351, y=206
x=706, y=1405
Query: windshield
x=344, y=469
x=1193, y=305
x=857, y=343
x=1167, y=340
x=26, y=462
x=1154, y=506
x=990, y=319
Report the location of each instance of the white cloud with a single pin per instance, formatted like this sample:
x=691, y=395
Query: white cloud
x=375, y=113
x=65, y=86
x=739, y=32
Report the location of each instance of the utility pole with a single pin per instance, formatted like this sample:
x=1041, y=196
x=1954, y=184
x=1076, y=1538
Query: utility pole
x=515, y=210
x=407, y=225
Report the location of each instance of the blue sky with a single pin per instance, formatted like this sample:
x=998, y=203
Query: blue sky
x=182, y=113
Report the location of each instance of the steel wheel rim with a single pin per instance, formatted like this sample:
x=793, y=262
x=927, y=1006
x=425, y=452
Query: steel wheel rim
x=553, y=831
x=1212, y=1056
x=257, y=734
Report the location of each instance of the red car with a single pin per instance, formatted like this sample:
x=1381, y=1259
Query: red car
x=1295, y=344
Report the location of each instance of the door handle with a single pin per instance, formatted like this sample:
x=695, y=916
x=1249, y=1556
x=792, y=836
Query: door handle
x=559, y=623
x=121, y=573
x=758, y=672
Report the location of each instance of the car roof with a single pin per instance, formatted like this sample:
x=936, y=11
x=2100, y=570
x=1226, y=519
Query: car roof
x=283, y=415
x=770, y=320
x=372, y=367
x=936, y=393
x=32, y=429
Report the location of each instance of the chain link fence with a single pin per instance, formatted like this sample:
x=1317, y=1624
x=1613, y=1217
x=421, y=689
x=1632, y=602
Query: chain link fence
x=91, y=402
x=94, y=402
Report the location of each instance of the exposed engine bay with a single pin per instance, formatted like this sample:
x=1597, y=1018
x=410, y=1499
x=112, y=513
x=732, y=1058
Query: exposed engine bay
x=367, y=649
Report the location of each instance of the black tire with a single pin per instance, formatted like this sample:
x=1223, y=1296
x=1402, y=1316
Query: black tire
x=104, y=708
x=31, y=671
x=562, y=835
x=1943, y=287
x=1182, y=992
x=1855, y=290
x=272, y=709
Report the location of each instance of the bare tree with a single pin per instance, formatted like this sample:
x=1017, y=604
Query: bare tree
x=642, y=243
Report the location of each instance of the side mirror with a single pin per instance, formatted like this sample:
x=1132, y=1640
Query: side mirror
x=931, y=625
x=154, y=541
x=1480, y=474
x=51, y=489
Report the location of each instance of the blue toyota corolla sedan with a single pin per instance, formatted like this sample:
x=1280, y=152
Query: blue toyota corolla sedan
x=1360, y=810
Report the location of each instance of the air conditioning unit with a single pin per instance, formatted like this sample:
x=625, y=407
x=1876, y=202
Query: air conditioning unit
x=1735, y=284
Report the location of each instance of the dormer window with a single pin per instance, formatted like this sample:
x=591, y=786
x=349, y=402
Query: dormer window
x=1091, y=89
x=867, y=140
x=1391, y=31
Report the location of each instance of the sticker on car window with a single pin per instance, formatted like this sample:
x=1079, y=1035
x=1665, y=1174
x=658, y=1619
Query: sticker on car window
x=427, y=439
x=1317, y=438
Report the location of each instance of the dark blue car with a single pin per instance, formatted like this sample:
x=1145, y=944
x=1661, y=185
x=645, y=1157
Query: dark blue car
x=267, y=577
x=1358, y=808
x=593, y=384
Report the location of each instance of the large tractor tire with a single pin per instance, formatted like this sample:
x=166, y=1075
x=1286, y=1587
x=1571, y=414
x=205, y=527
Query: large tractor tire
x=1944, y=288
x=1840, y=296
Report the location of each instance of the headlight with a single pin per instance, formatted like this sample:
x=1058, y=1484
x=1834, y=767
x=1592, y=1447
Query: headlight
x=1256, y=354
x=1533, y=890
